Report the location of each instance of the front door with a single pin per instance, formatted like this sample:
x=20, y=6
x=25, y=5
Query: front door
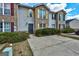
x=30, y=28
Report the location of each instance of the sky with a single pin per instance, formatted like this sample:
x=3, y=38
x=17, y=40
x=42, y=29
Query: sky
x=72, y=9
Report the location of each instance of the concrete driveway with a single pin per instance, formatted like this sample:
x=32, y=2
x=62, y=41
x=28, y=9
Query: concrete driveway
x=54, y=46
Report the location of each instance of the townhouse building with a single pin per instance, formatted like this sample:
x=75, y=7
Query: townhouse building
x=24, y=18
x=57, y=19
x=7, y=17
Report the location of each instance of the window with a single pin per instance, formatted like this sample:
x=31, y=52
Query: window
x=61, y=17
x=0, y=11
x=53, y=25
x=0, y=5
x=64, y=17
x=30, y=14
x=0, y=26
x=53, y=16
x=0, y=8
x=42, y=13
x=7, y=27
x=7, y=9
x=42, y=25
x=7, y=12
x=6, y=6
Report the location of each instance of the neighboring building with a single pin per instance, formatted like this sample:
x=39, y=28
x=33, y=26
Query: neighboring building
x=7, y=17
x=72, y=23
x=57, y=19
x=25, y=18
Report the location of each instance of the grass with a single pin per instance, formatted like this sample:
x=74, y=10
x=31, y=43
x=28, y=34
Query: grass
x=22, y=49
x=19, y=49
x=77, y=38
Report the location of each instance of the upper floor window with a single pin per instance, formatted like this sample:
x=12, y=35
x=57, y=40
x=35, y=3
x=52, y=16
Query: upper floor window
x=64, y=17
x=30, y=13
x=53, y=16
x=42, y=13
x=6, y=6
x=0, y=11
x=7, y=9
x=61, y=17
x=0, y=5
x=0, y=8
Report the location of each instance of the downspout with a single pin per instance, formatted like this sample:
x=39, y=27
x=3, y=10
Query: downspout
x=3, y=17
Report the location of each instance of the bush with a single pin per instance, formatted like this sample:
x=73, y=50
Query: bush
x=67, y=30
x=77, y=32
x=13, y=37
x=46, y=31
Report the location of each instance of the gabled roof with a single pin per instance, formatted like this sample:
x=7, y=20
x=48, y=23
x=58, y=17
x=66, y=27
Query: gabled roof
x=62, y=11
x=59, y=11
x=41, y=4
x=21, y=5
x=68, y=21
x=38, y=5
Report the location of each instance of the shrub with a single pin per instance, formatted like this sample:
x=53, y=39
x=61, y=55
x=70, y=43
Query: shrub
x=13, y=37
x=46, y=31
x=67, y=30
x=77, y=32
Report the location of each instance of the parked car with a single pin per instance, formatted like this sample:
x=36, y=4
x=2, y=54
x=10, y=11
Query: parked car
x=77, y=32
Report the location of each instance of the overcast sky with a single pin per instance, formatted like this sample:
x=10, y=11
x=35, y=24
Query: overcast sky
x=72, y=9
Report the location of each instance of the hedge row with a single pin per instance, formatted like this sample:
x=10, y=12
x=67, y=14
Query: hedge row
x=46, y=32
x=51, y=31
x=68, y=30
x=13, y=37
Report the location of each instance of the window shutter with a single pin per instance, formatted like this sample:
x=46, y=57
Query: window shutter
x=12, y=9
x=55, y=16
x=38, y=13
x=64, y=17
x=46, y=14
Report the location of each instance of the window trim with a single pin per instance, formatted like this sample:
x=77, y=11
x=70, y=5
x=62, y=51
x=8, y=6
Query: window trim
x=43, y=25
x=42, y=13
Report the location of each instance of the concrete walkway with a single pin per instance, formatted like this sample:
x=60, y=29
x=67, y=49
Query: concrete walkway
x=54, y=46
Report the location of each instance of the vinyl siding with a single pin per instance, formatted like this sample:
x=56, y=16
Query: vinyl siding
x=24, y=20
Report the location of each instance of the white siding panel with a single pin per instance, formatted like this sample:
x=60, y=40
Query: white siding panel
x=23, y=20
x=51, y=21
x=74, y=24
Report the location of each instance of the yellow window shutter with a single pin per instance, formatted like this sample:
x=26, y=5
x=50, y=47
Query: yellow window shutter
x=46, y=14
x=38, y=13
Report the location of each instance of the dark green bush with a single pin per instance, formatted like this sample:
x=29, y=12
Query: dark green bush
x=46, y=32
x=13, y=37
x=68, y=30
